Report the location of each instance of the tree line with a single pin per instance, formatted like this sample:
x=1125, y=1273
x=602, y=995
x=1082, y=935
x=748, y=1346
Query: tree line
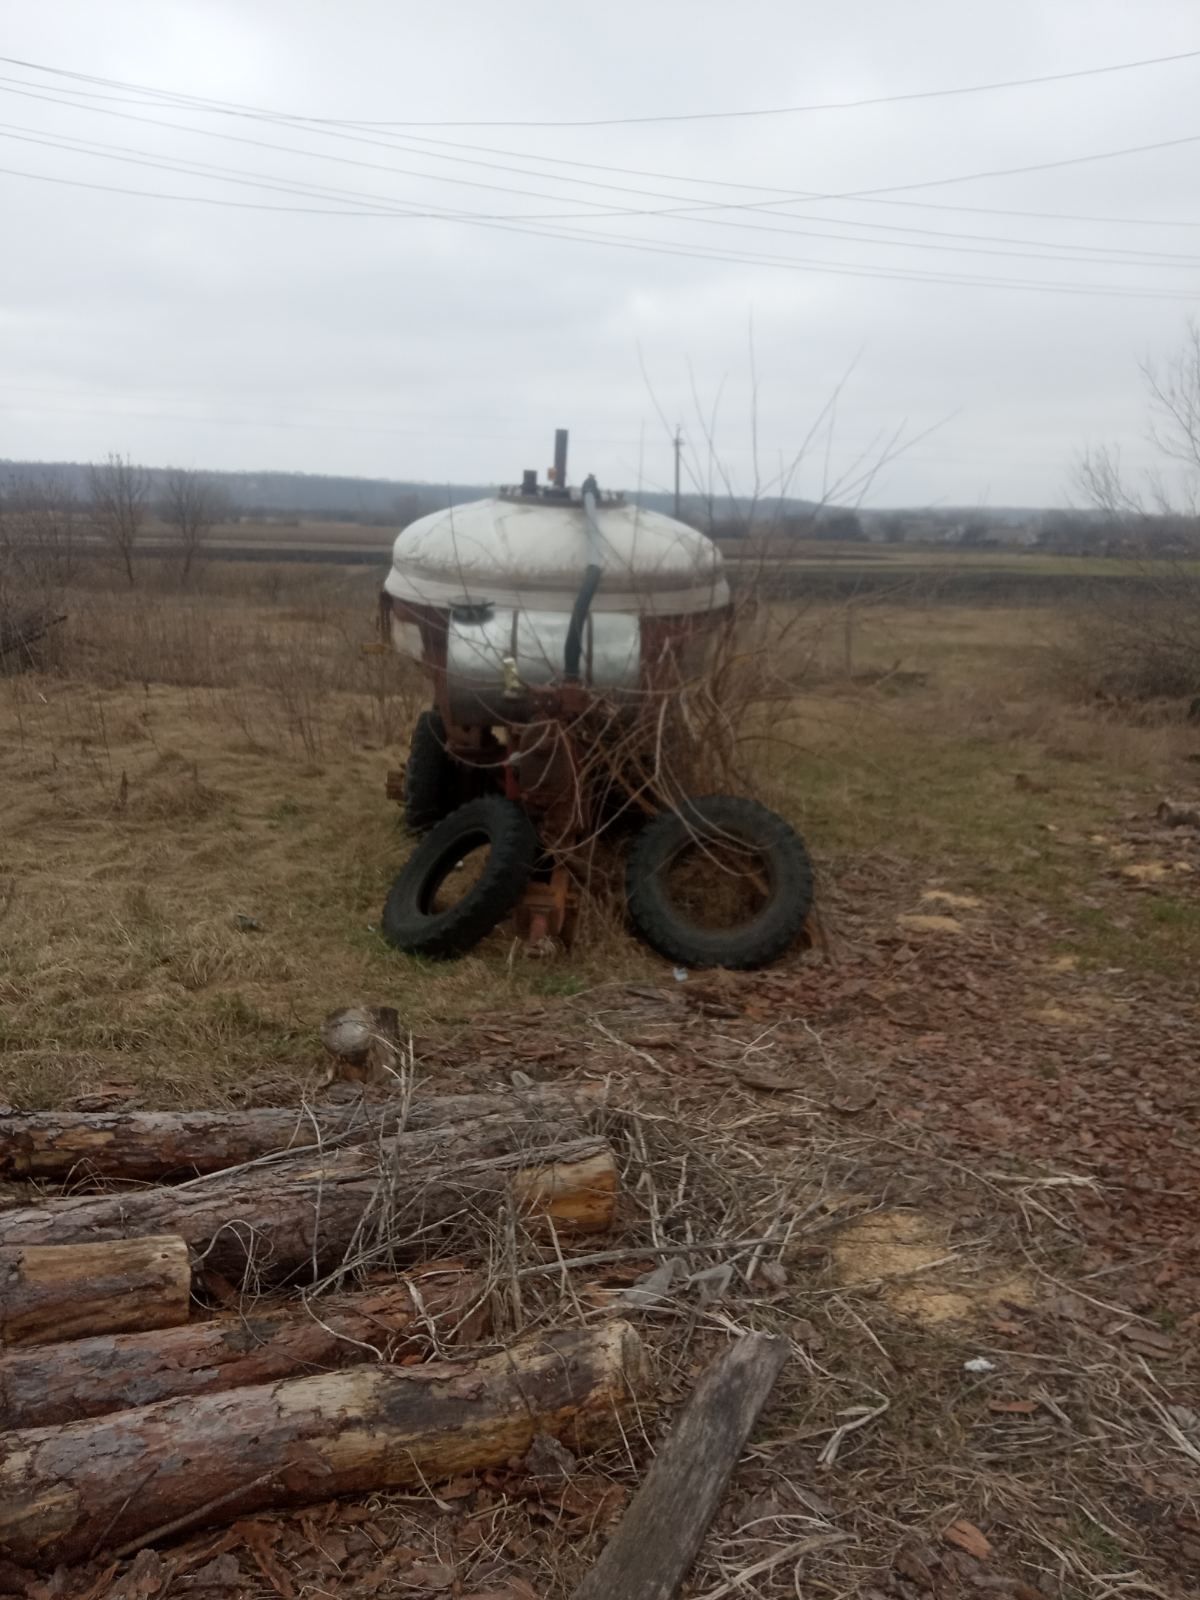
x=44, y=521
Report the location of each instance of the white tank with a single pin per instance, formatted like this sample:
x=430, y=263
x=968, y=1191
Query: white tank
x=531, y=554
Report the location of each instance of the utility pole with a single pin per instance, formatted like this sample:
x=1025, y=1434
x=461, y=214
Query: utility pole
x=678, y=454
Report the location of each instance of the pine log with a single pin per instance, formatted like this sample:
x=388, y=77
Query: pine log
x=121, y=1480
x=263, y=1227
x=54, y=1383
x=445, y=1146
x=71, y=1289
x=660, y=1535
x=365, y=1043
x=150, y=1146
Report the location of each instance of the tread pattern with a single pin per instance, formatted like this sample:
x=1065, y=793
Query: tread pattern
x=756, y=943
x=431, y=786
x=409, y=925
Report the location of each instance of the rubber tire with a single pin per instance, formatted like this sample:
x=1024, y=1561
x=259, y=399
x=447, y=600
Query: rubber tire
x=433, y=781
x=757, y=943
x=491, y=819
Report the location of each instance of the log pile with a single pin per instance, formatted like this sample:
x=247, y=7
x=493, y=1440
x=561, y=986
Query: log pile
x=277, y=1308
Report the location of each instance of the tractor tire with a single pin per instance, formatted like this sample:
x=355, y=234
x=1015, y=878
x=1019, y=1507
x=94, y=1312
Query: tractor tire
x=412, y=923
x=707, y=823
x=434, y=783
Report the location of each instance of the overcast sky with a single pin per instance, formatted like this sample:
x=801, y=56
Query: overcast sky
x=405, y=344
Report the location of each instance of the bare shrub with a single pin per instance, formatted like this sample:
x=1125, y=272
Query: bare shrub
x=303, y=674
x=1140, y=638
x=191, y=504
x=120, y=494
x=720, y=719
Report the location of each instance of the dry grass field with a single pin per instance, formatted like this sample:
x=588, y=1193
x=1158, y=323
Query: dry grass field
x=975, y=1098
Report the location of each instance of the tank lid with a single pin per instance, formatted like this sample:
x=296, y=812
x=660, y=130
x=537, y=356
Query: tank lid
x=525, y=551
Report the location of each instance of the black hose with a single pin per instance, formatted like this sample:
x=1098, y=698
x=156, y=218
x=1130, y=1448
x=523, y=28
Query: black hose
x=573, y=650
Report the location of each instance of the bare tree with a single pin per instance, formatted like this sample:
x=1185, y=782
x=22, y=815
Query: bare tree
x=1169, y=492
x=1142, y=640
x=1175, y=422
x=191, y=504
x=120, y=491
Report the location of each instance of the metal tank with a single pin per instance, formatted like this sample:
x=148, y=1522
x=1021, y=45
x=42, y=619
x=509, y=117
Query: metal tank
x=557, y=626
x=509, y=599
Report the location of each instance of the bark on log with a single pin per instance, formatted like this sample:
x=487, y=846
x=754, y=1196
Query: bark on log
x=649, y=1555
x=120, y=1480
x=69, y=1290
x=58, y=1383
x=149, y=1146
x=260, y=1227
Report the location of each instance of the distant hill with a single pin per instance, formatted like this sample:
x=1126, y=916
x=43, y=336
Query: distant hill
x=377, y=502
x=305, y=495
x=309, y=497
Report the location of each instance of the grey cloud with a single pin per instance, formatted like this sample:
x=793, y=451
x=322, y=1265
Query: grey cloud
x=421, y=348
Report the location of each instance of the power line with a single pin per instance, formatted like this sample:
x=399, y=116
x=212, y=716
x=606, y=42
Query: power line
x=683, y=211
x=819, y=106
x=209, y=133
x=831, y=269
x=592, y=237
x=691, y=207
x=692, y=116
x=304, y=189
x=203, y=169
x=194, y=199
x=299, y=124
x=1101, y=255
x=762, y=188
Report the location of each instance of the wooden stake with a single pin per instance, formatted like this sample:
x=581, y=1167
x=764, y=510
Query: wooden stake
x=660, y=1535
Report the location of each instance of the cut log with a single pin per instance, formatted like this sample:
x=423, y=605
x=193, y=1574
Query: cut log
x=650, y=1554
x=149, y=1146
x=260, y=1226
x=121, y=1480
x=364, y=1042
x=53, y=1383
x=68, y=1290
